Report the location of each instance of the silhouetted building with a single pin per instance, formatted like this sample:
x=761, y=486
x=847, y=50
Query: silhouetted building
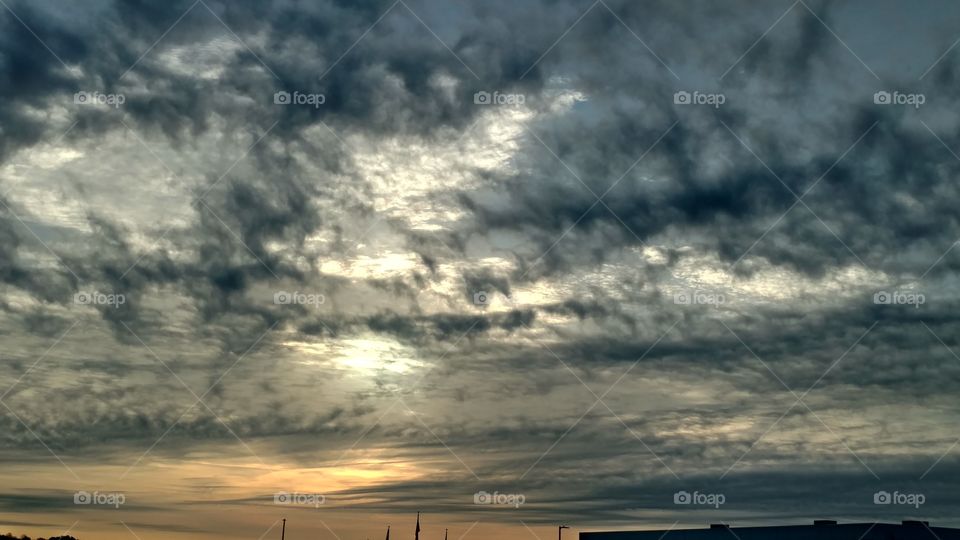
x=820, y=530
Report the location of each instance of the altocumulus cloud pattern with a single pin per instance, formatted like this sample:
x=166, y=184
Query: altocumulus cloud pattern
x=609, y=264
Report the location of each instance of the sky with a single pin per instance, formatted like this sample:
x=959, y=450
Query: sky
x=610, y=264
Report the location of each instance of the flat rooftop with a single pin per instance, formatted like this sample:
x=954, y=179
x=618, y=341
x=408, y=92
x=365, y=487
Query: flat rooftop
x=820, y=530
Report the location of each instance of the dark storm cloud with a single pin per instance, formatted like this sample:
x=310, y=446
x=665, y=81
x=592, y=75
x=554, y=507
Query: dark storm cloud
x=38, y=502
x=30, y=74
x=730, y=206
x=259, y=212
x=448, y=326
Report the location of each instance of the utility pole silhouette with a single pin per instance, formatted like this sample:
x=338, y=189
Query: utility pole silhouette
x=283, y=531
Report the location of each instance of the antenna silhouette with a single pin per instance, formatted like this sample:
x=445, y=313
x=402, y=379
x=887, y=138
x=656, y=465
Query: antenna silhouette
x=283, y=531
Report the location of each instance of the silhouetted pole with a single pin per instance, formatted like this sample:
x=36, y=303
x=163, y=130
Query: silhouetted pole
x=560, y=531
x=417, y=537
x=283, y=531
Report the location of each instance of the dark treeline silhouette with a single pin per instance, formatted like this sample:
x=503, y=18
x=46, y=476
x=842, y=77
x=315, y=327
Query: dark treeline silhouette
x=10, y=536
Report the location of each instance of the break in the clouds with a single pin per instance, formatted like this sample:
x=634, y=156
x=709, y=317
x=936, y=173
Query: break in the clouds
x=395, y=256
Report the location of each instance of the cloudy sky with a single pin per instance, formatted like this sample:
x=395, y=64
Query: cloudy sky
x=615, y=264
